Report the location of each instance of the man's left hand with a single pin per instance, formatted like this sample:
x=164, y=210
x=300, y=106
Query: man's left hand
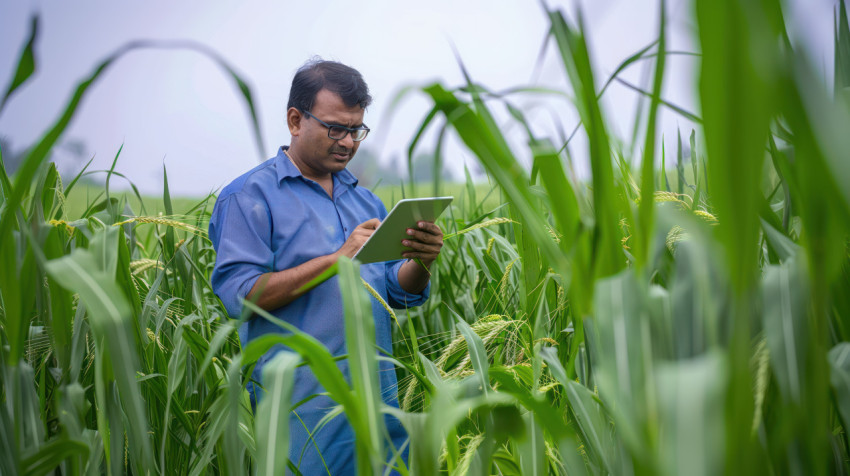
x=424, y=243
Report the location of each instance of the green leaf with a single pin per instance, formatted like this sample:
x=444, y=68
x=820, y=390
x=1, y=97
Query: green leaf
x=9, y=455
x=109, y=314
x=620, y=351
x=694, y=165
x=593, y=423
x=272, y=423
x=234, y=450
x=691, y=408
x=532, y=448
x=477, y=354
x=49, y=456
x=562, y=196
x=784, y=246
x=317, y=357
x=16, y=287
x=360, y=342
x=738, y=93
x=590, y=416
x=839, y=377
x=785, y=300
x=842, y=52
x=484, y=139
x=24, y=405
x=607, y=257
x=61, y=303
x=26, y=63
x=646, y=208
x=325, y=275
x=737, y=102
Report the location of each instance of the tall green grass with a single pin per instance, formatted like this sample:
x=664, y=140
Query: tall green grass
x=611, y=326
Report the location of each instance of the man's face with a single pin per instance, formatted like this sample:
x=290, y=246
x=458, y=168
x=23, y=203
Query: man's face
x=313, y=149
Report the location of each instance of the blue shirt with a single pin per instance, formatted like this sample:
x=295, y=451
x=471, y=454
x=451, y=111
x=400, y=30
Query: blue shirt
x=273, y=218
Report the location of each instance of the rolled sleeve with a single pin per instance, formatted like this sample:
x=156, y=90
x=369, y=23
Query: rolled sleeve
x=240, y=229
x=398, y=297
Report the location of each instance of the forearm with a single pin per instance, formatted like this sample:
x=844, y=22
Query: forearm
x=413, y=277
x=279, y=288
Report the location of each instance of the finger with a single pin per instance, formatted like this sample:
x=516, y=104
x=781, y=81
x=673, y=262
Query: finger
x=362, y=233
x=419, y=246
x=424, y=237
x=370, y=224
x=430, y=227
x=419, y=255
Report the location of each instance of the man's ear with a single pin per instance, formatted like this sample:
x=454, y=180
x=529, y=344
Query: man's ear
x=293, y=121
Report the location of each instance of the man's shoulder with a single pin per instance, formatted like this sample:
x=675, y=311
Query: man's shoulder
x=251, y=181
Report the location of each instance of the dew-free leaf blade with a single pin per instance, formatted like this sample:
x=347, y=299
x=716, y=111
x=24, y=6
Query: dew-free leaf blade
x=272, y=424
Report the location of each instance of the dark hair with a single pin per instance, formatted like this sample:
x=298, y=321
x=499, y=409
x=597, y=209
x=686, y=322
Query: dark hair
x=317, y=74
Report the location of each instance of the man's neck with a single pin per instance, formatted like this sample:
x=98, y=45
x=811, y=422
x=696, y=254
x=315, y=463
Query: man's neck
x=326, y=181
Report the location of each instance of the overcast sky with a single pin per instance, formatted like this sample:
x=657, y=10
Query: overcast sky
x=177, y=107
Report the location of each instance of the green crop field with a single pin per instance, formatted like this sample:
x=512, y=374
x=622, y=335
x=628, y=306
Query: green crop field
x=687, y=319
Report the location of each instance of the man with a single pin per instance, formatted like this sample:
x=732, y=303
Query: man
x=286, y=221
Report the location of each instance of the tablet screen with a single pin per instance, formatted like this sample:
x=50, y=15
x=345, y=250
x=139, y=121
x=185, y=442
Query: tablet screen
x=385, y=242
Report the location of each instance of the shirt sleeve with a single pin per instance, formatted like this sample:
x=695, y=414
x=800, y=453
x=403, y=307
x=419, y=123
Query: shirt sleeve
x=240, y=230
x=398, y=297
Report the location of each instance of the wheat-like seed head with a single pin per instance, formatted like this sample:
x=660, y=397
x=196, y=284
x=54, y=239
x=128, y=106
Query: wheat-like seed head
x=705, y=216
x=503, y=283
x=141, y=265
x=490, y=243
x=60, y=194
x=64, y=223
x=489, y=329
x=675, y=235
x=154, y=338
x=483, y=224
x=171, y=221
x=554, y=456
x=547, y=340
x=561, y=298
x=760, y=360
x=678, y=198
x=469, y=453
x=377, y=296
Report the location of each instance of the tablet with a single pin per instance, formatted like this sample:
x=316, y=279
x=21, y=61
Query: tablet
x=385, y=242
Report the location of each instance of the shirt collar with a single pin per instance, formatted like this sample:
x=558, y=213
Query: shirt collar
x=285, y=168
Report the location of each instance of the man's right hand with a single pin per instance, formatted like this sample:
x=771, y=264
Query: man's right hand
x=358, y=238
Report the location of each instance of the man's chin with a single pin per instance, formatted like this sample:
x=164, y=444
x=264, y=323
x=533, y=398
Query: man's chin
x=337, y=165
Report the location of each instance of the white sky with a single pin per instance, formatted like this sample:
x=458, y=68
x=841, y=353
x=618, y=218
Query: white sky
x=178, y=108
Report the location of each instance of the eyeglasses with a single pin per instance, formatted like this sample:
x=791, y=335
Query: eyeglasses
x=337, y=132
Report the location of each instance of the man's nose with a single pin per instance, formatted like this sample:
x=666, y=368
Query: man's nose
x=347, y=141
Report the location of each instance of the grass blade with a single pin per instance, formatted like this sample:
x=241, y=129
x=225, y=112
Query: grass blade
x=52, y=454
x=607, y=253
x=26, y=63
x=360, y=342
x=647, y=175
x=272, y=425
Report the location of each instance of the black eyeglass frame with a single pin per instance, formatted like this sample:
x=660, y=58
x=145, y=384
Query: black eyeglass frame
x=354, y=131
